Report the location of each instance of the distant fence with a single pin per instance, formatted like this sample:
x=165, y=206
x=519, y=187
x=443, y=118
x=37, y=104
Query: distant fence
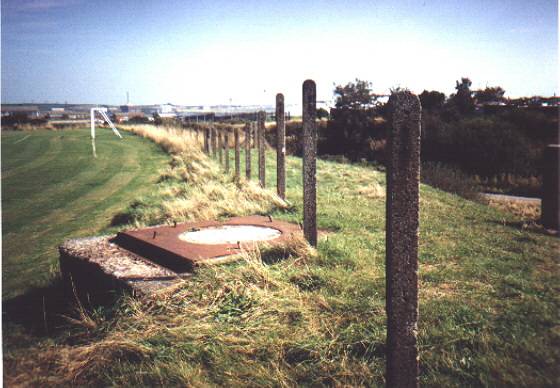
x=226, y=117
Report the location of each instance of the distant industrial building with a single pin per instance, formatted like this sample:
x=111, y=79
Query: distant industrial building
x=29, y=111
x=121, y=117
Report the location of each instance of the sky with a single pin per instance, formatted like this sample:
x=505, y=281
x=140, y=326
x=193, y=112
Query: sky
x=244, y=52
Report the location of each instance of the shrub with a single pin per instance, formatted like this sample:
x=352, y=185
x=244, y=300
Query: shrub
x=351, y=132
x=322, y=113
x=450, y=179
x=480, y=145
x=21, y=121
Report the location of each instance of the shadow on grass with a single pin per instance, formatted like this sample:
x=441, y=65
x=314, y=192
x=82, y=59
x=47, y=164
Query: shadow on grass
x=121, y=219
x=44, y=311
x=274, y=254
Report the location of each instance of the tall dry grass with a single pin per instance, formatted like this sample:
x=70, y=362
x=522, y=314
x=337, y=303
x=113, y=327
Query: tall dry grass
x=526, y=210
x=193, y=187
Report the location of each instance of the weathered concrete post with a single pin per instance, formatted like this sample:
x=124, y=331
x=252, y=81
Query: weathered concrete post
x=226, y=149
x=255, y=133
x=280, y=147
x=220, y=148
x=261, y=144
x=207, y=141
x=309, y=162
x=550, y=205
x=248, y=128
x=237, y=161
x=214, y=150
x=402, y=226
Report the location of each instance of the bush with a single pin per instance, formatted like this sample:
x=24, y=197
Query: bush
x=354, y=133
x=481, y=145
x=294, y=140
x=322, y=113
x=450, y=179
x=138, y=120
x=20, y=120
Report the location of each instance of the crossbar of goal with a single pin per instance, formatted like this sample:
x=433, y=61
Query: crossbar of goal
x=102, y=112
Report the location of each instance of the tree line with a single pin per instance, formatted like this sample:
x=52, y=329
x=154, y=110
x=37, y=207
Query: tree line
x=456, y=129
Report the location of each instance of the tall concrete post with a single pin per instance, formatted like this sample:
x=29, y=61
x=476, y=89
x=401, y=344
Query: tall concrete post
x=261, y=144
x=255, y=133
x=280, y=147
x=226, y=149
x=248, y=130
x=309, y=162
x=237, y=161
x=550, y=205
x=214, y=148
x=220, y=148
x=402, y=227
x=207, y=141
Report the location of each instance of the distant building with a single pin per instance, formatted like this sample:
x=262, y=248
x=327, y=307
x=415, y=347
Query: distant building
x=167, y=111
x=126, y=116
x=30, y=111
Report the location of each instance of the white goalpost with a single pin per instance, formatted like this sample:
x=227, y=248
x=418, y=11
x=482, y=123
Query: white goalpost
x=102, y=112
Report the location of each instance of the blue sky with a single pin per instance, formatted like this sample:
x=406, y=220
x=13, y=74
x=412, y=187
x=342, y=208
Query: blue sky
x=212, y=52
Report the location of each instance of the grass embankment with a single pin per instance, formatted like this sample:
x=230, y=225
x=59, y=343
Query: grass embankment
x=53, y=188
x=193, y=187
x=488, y=297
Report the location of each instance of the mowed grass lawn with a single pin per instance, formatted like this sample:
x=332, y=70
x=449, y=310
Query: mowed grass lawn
x=53, y=188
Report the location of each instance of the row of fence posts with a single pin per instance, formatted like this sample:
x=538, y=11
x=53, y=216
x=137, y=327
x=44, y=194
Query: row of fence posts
x=402, y=208
x=217, y=143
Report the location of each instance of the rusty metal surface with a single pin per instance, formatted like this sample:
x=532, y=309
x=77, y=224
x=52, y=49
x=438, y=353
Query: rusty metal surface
x=162, y=245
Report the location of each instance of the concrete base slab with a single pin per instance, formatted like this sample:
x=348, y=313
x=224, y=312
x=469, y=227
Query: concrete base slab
x=148, y=260
x=96, y=265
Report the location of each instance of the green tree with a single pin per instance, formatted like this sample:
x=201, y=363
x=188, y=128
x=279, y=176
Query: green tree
x=432, y=100
x=463, y=99
x=354, y=95
x=489, y=94
x=352, y=125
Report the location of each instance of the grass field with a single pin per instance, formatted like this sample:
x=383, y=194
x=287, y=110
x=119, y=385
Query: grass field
x=53, y=188
x=489, y=295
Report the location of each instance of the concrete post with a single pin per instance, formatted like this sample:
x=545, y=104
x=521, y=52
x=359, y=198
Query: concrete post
x=280, y=147
x=402, y=226
x=214, y=150
x=248, y=131
x=207, y=141
x=309, y=162
x=226, y=150
x=237, y=161
x=255, y=133
x=550, y=205
x=261, y=144
x=220, y=148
